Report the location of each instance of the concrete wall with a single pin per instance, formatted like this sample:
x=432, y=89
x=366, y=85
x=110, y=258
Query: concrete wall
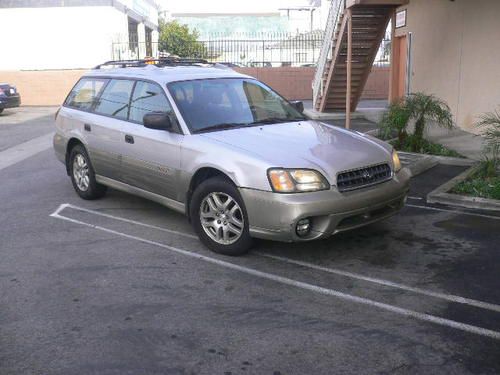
x=455, y=54
x=50, y=87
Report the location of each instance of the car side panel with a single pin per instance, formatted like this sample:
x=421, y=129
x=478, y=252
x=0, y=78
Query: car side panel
x=152, y=162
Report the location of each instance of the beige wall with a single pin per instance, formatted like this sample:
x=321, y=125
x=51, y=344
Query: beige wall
x=50, y=87
x=456, y=54
x=44, y=87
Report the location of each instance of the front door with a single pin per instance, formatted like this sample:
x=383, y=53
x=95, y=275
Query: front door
x=151, y=158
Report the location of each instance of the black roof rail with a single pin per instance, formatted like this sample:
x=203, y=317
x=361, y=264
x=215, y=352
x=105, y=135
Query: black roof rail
x=160, y=62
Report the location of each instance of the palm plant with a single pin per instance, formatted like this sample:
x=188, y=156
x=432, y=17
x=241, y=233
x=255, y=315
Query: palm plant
x=395, y=120
x=489, y=123
x=424, y=108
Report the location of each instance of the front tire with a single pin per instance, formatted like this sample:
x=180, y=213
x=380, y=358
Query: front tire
x=219, y=217
x=83, y=175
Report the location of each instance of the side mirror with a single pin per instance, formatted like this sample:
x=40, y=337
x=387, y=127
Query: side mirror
x=298, y=105
x=157, y=120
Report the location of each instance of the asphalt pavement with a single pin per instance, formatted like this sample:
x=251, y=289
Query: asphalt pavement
x=122, y=286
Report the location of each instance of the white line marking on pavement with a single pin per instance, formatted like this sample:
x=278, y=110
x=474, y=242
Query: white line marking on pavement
x=299, y=284
x=417, y=198
x=453, y=211
x=430, y=293
x=447, y=297
x=67, y=205
x=22, y=151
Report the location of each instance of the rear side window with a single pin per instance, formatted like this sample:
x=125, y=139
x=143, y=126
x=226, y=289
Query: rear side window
x=84, y=94
x=149, y=97
x=115, y=99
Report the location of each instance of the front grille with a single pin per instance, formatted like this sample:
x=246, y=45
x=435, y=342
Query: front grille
x=366, y=176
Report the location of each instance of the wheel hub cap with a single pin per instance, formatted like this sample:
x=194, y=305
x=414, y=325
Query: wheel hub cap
x=81, y=172
x=221, y=218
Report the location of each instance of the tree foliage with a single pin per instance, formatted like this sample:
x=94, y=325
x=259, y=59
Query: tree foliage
x=179, y=40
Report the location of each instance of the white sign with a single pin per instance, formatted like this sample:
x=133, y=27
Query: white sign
x=401, y=18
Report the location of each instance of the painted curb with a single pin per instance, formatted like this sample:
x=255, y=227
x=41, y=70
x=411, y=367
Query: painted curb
x=441, y=195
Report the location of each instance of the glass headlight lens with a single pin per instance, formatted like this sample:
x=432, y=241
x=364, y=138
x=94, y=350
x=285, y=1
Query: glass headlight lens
x=396, y=163
x=296, y=180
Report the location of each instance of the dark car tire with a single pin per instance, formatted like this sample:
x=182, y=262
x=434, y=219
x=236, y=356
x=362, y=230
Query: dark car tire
x=222, y=188
x=1, y=110
x=84, y=183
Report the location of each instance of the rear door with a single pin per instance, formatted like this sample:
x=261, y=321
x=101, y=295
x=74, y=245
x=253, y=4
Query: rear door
x=151, y=158
x=105, y=127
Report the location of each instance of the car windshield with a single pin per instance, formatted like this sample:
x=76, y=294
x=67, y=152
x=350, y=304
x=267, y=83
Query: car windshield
x=226, y=103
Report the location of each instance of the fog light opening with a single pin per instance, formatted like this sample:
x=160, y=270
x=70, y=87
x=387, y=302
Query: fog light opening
x=303, y=227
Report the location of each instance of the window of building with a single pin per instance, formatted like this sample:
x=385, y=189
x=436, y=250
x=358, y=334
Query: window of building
x=133, y=35
x=149, y=42
x=149, y=97
x=83, y=95
x=114, y=100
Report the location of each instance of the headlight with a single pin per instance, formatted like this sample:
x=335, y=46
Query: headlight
x=296, y=180
x=396, y=163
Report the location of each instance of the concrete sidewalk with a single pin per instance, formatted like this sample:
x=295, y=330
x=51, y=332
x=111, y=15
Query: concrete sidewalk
x=465, y=143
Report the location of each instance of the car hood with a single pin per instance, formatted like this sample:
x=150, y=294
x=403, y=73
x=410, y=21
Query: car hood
x=306, y=144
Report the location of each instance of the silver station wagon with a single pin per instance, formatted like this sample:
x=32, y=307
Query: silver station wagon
x=224, y=149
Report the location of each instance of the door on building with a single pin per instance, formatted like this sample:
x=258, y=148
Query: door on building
x=399, y=74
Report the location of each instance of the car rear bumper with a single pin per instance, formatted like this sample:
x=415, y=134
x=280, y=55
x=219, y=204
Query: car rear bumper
x=274, y=216
x=10, y=101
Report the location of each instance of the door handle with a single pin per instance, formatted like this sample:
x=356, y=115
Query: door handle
x=87, y=127
x=129, y=139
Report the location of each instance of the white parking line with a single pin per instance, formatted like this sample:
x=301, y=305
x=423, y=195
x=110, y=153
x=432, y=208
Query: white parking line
x=416, y=198
x=119, y=218
x=452, y=211
x=430, y=293
x=299, y=284
x=25, y=150
x=447, y=297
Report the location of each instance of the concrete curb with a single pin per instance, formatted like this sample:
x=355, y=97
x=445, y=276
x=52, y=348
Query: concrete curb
x=424, y=162
x=441, y=195
x=315, y=115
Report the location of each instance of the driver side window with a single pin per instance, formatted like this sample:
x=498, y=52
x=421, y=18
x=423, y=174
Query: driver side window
x=149, y=97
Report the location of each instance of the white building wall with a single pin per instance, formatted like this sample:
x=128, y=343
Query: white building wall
x=61, y=37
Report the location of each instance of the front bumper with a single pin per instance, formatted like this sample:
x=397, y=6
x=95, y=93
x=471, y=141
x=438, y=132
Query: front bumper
x=10, y=101
x=274, y=216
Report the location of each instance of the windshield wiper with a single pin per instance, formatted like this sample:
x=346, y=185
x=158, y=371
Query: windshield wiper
x=226, y=125
x=275, y=120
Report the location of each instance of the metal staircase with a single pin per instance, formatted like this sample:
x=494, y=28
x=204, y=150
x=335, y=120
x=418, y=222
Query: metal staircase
x=354, y=28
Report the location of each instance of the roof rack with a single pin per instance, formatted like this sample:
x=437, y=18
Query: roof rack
x=160, y=62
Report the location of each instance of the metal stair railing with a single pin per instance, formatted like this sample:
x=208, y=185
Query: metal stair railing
x=336, y=9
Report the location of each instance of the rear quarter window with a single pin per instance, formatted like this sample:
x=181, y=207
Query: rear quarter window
x=85, y=92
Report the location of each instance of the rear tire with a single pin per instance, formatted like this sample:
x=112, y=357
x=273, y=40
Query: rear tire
x=83, y=175
x=219, y=217
x=1, y=110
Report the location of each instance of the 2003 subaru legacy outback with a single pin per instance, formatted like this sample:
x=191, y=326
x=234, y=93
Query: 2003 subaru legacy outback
x=224, y=149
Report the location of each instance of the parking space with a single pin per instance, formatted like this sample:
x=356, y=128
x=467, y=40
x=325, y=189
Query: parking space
x=122, y=286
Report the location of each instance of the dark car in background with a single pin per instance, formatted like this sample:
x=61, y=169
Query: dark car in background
x=9, y=97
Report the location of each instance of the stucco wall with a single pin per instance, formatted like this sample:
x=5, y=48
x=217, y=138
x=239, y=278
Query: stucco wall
x=50, y=87
x=455, y=54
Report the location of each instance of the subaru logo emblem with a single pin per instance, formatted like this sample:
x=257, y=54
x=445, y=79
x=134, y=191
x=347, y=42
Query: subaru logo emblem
x=366, y=174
